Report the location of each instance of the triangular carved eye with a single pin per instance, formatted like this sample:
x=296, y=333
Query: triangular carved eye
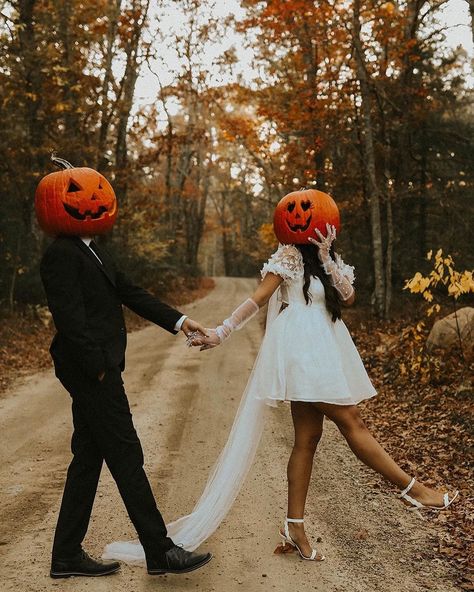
x=73, y=187
x=100, y=185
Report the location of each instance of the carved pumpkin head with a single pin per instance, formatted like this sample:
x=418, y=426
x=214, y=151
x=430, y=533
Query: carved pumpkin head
x=75, y=201
x=300, y=212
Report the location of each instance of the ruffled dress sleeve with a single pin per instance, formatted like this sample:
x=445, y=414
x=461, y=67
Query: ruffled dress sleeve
x=286, y=261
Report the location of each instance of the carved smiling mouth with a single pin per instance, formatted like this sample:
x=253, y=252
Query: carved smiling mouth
x=75, y=213
x=299, y=227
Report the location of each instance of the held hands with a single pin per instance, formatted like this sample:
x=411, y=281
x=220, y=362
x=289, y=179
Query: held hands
x=197, y=335
x=208, y=341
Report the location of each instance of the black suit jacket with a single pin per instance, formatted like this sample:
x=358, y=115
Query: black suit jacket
x=85, y=298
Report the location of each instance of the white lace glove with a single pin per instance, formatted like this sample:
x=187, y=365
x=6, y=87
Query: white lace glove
x=241, y=315
x=341, y=281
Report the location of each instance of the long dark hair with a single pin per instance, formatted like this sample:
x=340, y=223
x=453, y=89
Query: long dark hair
x=313, y=268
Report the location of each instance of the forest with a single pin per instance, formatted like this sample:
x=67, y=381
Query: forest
x=203, y=126
x=363, y=102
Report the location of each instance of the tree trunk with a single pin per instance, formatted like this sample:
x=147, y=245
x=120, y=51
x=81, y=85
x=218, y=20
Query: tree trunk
x=169, y=194
x=367, y=133
x=471, y=10
x=423, y=194
x=35, y=159
x=107, y=110
x=71, y=89
x=195, y=211
x=387, y=197
x=16, y=265
x=310, y=57
x=388, y=253
x=129, y=80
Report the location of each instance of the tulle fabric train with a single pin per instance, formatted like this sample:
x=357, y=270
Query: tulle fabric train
x=226, y=478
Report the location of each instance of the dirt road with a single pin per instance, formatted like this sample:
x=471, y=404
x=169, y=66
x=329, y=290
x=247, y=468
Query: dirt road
x=183, y=403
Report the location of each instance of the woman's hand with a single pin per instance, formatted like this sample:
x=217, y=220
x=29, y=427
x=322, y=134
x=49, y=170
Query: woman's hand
x=339, y=277
x=325, y=242
x=211, y=341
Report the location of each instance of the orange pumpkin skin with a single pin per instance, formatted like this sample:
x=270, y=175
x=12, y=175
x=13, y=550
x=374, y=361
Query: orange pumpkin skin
x=299, y=213
x=76, y=201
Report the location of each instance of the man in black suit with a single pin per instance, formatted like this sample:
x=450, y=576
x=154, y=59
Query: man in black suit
x=85, y=294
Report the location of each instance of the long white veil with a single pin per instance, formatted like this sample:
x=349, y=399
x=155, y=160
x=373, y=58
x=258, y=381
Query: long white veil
x=226, y=478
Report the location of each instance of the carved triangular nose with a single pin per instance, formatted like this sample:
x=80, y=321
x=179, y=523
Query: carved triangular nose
x=94, y=197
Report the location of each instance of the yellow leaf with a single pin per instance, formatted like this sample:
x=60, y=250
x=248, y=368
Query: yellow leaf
x=413, y=283
x=466, y=282
x=453, y=290
x=424, y=283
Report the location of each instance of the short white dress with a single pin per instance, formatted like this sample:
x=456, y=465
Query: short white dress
x=305, y=356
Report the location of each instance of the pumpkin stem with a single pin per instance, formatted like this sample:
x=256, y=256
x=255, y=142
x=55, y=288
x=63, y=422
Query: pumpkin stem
x=60, y=162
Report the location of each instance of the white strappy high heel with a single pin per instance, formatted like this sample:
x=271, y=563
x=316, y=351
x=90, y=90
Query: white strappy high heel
x=416, y=505
x=287, y=539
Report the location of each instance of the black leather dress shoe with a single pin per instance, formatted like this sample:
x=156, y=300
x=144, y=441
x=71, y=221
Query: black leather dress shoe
x=82, y=565
x=177, y=560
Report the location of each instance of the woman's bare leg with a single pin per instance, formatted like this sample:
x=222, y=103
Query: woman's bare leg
x=369, y=451
x=308, y=425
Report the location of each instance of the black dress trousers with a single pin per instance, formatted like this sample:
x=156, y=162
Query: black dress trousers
x=104, y=430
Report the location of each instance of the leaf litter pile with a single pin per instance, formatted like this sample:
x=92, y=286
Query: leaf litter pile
x=425, y=421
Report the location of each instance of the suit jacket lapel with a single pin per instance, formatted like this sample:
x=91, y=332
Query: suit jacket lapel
x=102, y=266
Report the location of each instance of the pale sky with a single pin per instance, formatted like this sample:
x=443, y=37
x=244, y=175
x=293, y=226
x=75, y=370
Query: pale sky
x=455, y=15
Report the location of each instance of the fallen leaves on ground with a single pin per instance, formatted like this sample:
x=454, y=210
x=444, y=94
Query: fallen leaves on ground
x=427, y=426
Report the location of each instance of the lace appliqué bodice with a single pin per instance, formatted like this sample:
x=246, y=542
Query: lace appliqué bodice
x=286, y=261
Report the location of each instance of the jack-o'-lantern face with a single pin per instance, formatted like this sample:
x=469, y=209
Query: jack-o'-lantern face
x=75, y=201
x=299, y=213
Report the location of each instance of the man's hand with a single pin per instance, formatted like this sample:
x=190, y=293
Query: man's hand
x=190, y=326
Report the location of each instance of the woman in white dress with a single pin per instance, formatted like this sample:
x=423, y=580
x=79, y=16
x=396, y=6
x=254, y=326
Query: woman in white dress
x=308, y=358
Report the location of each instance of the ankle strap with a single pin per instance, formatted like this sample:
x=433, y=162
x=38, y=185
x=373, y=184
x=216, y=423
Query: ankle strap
x=297, y=520
x=408, y=487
